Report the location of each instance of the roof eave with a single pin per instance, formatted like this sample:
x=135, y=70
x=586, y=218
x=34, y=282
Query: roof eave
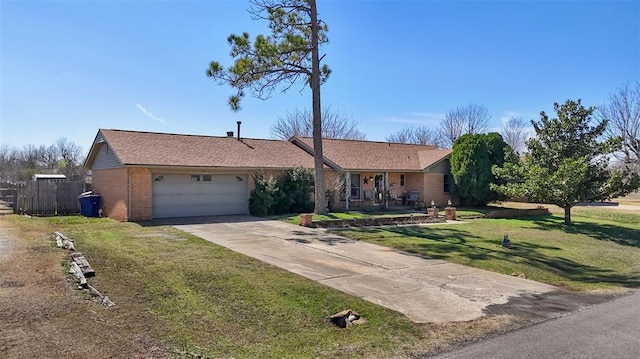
x=396, y=170
x=428, y=168
x=296, y=141
x=200, y=168
x=95, y=147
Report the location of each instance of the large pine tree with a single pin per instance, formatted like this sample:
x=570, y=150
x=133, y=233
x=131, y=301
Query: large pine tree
x=567, y=162
x=289, y=55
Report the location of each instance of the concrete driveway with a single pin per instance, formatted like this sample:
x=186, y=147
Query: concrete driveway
x=425, y=290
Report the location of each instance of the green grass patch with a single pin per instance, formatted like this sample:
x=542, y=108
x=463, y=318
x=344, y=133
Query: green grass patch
x=295, y=218
x=601, y=250
x=199, y=297
x=607, y=215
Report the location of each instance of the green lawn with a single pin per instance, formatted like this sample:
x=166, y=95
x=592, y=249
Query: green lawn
x=601, y=250
x=195, y=296
x=295, y=218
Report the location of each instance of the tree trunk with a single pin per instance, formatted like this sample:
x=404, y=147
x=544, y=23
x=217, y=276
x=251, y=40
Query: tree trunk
x=567, y=215
x=320, y=195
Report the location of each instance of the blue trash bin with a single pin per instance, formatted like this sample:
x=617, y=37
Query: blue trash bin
x=90, y=205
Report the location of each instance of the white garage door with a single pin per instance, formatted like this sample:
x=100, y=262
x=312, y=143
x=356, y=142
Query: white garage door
x=190, y=195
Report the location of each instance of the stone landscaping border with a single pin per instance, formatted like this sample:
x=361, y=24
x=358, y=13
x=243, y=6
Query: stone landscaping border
x=513, y=213
x=373, y=221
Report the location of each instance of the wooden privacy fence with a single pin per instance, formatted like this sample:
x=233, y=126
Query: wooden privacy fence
x=47, y=198
x=8, y=195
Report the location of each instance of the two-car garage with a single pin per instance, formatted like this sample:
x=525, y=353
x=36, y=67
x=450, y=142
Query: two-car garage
x=145, y=175
x=191, y=195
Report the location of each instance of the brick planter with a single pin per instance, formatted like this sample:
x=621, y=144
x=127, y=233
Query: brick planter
x=450, y=213
x=306, y=219
x=433, y=212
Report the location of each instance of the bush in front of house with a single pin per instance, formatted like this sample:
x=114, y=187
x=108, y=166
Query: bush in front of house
x=472, y=157
x=288, y=193
x=262, y=198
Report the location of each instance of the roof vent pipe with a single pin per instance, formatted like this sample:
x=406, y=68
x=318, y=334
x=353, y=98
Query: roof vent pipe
x=239, y=122
x=229, y=133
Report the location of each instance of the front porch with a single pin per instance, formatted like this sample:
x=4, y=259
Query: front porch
x=408, y=191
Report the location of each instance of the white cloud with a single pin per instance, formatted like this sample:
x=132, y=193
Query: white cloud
x=420, y=118
x=515, y=114
x=149, y=114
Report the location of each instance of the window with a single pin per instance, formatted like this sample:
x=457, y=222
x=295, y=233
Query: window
x=355, y=186
x=402, y=179
x=206, y=178
x=195, y=178
x=447, y=183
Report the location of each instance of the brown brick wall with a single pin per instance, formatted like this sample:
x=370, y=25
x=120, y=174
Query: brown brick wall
x=415, y=182
x=112, y=186
x=140, y=194
x=433, y=189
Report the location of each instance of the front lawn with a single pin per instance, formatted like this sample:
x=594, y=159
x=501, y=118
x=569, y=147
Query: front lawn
x=197, y=298
x=601, y=250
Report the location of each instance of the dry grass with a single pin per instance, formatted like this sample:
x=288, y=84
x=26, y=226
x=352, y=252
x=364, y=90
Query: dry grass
x=631, y=199
x=629, y=204
x=43, y=316
x=446, y=336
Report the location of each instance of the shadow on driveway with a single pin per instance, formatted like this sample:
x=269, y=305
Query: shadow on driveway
x=201, y=220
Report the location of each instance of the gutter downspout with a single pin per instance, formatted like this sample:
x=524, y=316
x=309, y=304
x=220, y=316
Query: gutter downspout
x=347, y=190
x=128, y=194
x=386, y=190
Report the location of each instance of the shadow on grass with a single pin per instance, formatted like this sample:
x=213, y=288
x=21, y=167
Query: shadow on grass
x=307, y=238
x=444, y=235
x=600, y=231
x=528, y=254
x=453, y=244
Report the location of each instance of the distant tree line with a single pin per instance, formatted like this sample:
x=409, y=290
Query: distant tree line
x=20, y=164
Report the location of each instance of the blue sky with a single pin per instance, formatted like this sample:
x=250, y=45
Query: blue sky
x=69, y=68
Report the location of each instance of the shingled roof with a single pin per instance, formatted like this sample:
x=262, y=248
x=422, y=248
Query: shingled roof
x=375, y=156
x=164, y=149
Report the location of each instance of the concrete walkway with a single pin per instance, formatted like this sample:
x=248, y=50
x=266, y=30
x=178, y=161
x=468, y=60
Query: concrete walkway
x=425, y=290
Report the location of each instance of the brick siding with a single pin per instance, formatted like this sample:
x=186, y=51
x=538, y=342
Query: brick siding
x=140, y=194
x=112, y=186
x=433, y=190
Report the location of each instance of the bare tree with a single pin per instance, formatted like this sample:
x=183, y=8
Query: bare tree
x=335, y=124
x=29, y=157
x=48, y=156
x=70, y=154
x=9, y=158
x=516, y=133
x=623, y=112
x=28, y=162
x=421, y=135
x=404, y=135
x=472, y=118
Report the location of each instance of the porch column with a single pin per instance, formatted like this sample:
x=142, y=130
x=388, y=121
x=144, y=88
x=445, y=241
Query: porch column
x=386, y=190
x=347, y=191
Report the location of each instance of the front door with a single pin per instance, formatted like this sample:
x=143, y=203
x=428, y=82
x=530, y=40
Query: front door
x=378, y=186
